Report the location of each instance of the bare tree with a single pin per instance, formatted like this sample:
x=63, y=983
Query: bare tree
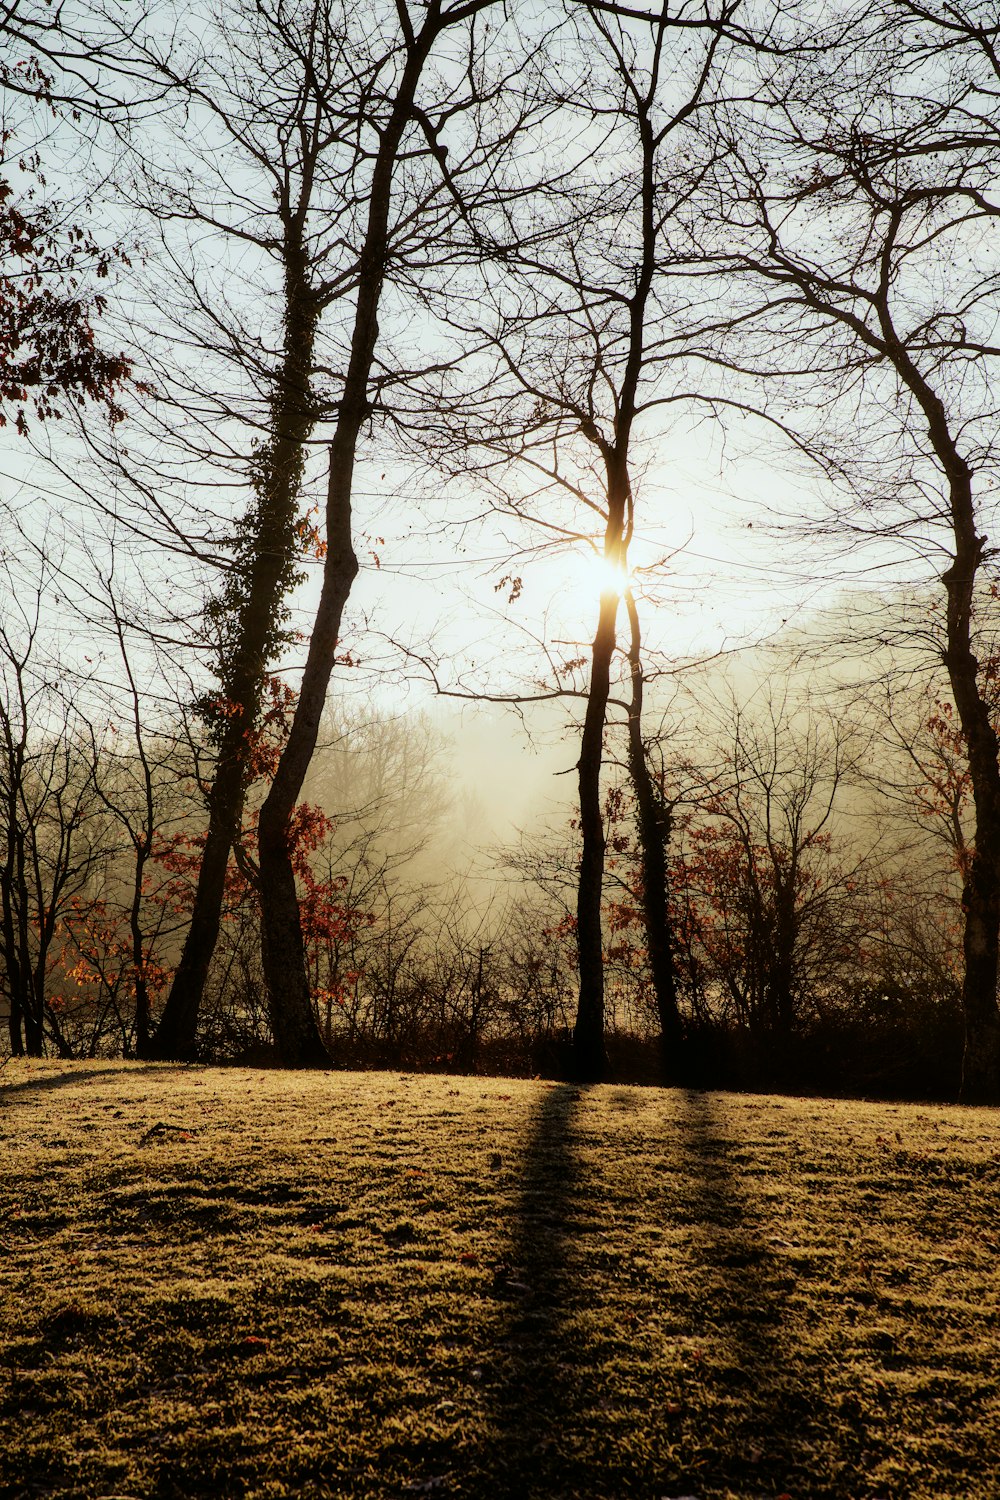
x=865, y=199
x=273, y=96
x=344, y=144
x=53, y=839
x=773, y=888
x=592, y=343
x=141, y=770
x=420, y=107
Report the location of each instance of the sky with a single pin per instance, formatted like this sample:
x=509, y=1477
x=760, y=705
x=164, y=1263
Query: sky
x=714, y=571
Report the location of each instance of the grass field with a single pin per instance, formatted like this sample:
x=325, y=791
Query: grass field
x=231, y=1283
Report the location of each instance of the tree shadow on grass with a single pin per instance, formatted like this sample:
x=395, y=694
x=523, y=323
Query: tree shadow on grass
x=570, y=1416
x=72, y=1075
x=759, y=1392
x=533, y=1390
x=729, y=1402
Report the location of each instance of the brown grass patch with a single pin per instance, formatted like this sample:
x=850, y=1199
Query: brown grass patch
x=232, y=1283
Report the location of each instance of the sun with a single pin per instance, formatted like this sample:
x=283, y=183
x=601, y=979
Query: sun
x=603, y=575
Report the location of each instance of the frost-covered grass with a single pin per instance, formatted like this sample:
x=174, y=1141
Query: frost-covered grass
x=231, y=1283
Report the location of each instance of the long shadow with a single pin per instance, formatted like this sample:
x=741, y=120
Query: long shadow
x=533, y=1390
x=742, y=1422
x=728, y=1307
x=62, y=1080
x=765, y=1401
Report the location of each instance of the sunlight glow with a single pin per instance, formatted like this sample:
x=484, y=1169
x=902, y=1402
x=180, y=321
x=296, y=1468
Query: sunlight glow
x=602, y=575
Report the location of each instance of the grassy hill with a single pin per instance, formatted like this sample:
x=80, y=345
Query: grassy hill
x=233, y=1283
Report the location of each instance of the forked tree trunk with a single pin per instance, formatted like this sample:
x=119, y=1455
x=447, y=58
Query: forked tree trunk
x=293, y=1022
x=589, y=1055
x=272, y=551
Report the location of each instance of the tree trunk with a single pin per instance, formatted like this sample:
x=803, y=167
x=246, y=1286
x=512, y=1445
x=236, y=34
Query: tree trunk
x=781, y=956
x=981, y=1055
x=271, y=550
x=12, y=966
x=27, y=1032
x=653, y=828
x=589, y=1057
x=175, y=1035
x=296, y=1034
x=293, y=1022
x=15, y=1027
x=34, y=1032
x=981, y=896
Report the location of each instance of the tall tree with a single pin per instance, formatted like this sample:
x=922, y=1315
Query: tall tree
x=307, y=111
x=284, y=97
x=866, y=199
x=592, y=341
x=402, y=233
x=653, y=828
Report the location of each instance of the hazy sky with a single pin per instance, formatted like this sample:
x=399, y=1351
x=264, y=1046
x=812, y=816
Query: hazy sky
x=712, y=572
